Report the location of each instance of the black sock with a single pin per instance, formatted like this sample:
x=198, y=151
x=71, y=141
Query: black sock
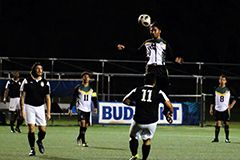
x=133, y=145
x=226, y=129
x=145, y=151
x=217, y=130
x=12, y=125
x=19, y=122
x=31, y=139
x=82, y=133
x=41, y=135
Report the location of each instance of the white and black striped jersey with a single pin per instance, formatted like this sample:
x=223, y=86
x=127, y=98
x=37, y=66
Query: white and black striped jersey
x=36, y=90
x=146, y=99
x=222, y=97
x=13, y=87
x=157, y=51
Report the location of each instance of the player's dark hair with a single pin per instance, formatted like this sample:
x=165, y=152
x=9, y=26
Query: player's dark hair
x=33, y=69
x=13, y=73
x=224, y=76
x=150, y=78
x=85, y=72
x=156, y=24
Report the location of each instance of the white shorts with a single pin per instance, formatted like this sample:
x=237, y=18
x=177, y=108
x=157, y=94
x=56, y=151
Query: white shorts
x=35, y=115
x=144, y=131
x=14, y=104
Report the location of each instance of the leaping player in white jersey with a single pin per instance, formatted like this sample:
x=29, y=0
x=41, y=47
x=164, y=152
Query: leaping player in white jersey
x=156, y=52
x=222, y=107
x=83, y=98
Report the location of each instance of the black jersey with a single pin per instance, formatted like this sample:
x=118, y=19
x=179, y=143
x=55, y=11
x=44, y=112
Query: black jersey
x=36, y=90
x=146, y=99
x=14, y=88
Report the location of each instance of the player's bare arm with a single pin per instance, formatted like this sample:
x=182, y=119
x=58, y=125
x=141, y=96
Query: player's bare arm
x=232, y=104
x=5, y=95
x=126, y=101
x=22, y=98
x=211, y=109
x=169, y=105
x=48, y=104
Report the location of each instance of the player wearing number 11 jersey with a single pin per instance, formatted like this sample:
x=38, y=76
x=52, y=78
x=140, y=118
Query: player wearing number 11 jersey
x=83, y=98
x=146, y=99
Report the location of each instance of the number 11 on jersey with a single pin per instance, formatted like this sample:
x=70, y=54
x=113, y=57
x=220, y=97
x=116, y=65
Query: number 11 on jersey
x=146, y=94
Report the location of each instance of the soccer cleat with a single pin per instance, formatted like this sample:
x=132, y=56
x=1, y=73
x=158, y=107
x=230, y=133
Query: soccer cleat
x=85, y=145
x=215, y=140
x=18, y=130
x=40, y=147
x=134, y=157
x=227, y=141
x=32, y=152
x=13, y=131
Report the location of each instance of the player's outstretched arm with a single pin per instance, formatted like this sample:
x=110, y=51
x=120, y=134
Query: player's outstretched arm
x=179, y=60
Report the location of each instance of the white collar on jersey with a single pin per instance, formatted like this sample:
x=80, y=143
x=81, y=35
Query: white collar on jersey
x=147, y=85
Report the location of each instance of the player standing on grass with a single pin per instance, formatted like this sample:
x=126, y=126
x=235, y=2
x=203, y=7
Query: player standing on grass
x=157, y=51
x=146, y=99
x=83, y=98
x=35, y=92
x=12, y=90
x=222, y=107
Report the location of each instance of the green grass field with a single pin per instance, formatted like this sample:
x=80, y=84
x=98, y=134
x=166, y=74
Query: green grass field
x=111, y=143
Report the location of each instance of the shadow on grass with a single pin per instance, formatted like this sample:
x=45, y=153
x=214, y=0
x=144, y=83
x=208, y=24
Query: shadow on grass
x=108, y=148
x=47, y=157
x=60, y=158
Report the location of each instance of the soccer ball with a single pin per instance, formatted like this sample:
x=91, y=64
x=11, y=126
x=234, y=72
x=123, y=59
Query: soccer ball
x=144, y=20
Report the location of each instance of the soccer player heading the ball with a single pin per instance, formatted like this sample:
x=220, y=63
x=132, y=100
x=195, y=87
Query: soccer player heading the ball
x=146, y=99
x=156, y=51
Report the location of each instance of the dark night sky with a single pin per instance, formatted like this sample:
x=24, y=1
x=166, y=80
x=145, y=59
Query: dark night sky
x=200, y=30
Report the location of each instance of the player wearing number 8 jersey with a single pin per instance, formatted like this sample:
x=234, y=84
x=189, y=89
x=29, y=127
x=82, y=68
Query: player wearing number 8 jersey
x=222, y=107
x=146, y=99
x=83, y=98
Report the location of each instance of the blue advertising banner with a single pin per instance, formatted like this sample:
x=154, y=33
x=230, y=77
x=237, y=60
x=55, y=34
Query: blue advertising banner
x=119, y=113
